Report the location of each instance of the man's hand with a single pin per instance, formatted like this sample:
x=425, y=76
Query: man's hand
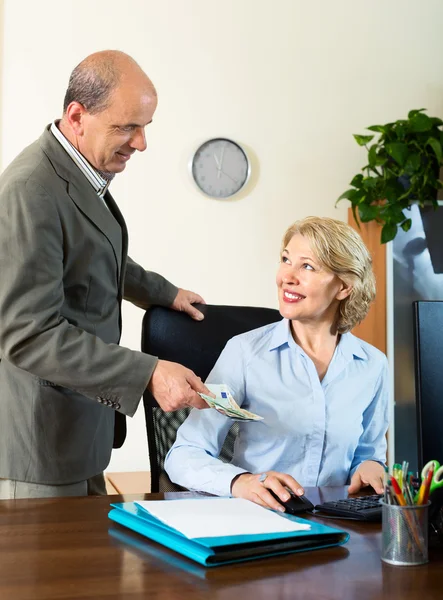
x=183, y=302
x=250, y=487
x=175, y=386
x=368, y=473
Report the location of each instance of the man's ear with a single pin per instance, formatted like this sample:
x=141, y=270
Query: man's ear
x=74, y=115
x=344, y=291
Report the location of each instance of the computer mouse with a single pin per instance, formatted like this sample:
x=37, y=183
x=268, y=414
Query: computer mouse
x=295, y=504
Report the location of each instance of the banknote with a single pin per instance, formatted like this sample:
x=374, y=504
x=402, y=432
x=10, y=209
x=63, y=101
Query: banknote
x=225, y=404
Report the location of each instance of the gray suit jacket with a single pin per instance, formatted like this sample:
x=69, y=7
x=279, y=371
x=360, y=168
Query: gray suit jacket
x=64, y=270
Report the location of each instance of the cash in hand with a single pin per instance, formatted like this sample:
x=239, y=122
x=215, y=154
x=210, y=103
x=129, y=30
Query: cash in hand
x=225, y=404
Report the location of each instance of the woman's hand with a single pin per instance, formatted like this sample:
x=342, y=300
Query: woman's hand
x=250, y=487
x=368, y=473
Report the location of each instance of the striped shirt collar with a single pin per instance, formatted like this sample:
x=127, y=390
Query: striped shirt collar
x=99, y=184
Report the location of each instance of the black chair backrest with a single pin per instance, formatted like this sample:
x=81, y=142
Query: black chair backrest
x=174, y=336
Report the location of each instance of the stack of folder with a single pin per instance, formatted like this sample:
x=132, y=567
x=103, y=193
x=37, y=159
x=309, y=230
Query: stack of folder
x=223, y=530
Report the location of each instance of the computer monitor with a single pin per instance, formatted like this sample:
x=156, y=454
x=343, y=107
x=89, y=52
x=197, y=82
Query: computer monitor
x=428, y=351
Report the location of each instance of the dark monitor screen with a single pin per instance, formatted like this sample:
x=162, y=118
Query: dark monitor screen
x=428, y=346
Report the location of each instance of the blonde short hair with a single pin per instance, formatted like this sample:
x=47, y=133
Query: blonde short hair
x=340, y=250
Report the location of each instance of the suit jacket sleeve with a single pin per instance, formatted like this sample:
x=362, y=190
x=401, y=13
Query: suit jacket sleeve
x=144, y=288
x=34, y=335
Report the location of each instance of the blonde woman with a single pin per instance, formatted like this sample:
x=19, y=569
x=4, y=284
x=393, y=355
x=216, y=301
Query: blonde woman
x=323, y=392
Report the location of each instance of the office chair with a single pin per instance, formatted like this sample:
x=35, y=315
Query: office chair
x=174, y=336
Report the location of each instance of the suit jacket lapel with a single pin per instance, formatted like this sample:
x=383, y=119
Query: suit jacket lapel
x=86, y=199
x=95, y=210
x=113, y=207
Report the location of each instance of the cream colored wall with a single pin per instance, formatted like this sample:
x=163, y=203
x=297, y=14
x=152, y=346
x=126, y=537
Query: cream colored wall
x=289, y=79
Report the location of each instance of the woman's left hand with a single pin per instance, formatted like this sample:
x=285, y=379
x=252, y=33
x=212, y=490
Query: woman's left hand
x=368, y=473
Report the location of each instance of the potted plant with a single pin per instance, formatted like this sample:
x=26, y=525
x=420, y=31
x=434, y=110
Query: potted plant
x=403, y=168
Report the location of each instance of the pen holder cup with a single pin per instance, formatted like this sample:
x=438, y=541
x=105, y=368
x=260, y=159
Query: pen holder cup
x=405, y=534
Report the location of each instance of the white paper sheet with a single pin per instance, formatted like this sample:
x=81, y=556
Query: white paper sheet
x=216, y=517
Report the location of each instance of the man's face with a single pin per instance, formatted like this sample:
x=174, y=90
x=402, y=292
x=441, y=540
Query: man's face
x=110, y=137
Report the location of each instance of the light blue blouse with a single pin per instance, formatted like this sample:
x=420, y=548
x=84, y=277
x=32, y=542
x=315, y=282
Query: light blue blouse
x=318, y=432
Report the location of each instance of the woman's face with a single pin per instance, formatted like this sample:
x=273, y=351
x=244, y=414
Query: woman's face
x=306, y=291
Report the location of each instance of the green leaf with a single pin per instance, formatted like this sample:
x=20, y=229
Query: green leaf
x=355, y=196
x=378, y=128
x=372, y=155
x=398, y=151
x=393, y=213
x=413, y=163
x=368, y=212
x=369, y=183
x=381, y=158
x=406, y=225
x=357, y=180
x=430, y=180
x=349, y=195
x=368, y=169
x=436, y=146
x=362, y=140
x=393, y=189
x=420, y=122
x=401, y=129
x=412, y=113
x=388, y=233
x=417, y=144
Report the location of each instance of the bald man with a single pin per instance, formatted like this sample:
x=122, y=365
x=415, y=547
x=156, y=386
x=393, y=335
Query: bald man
x=65, y=383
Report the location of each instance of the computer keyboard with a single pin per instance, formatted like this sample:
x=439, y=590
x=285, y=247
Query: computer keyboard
x=365, y=508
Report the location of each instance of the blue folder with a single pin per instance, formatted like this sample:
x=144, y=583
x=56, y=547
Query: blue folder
x=213, y=551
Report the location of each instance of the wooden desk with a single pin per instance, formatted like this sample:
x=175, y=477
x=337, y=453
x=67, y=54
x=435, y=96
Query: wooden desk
x=68, y=549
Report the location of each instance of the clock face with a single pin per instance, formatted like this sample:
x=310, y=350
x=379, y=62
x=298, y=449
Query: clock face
x=220, y=168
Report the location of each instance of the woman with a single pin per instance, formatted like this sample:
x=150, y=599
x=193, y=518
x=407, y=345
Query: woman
x=323, y=392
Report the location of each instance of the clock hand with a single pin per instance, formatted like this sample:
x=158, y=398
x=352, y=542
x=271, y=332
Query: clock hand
x=221, y=162
x=231, y=178
x=216, y=161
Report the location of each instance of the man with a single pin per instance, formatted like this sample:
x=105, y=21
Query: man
x=64, y=381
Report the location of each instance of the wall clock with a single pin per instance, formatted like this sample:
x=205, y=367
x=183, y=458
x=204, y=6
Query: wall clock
x=220, y=167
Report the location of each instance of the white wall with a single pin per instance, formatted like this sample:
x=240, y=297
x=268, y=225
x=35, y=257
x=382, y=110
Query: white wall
x=290, y=79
